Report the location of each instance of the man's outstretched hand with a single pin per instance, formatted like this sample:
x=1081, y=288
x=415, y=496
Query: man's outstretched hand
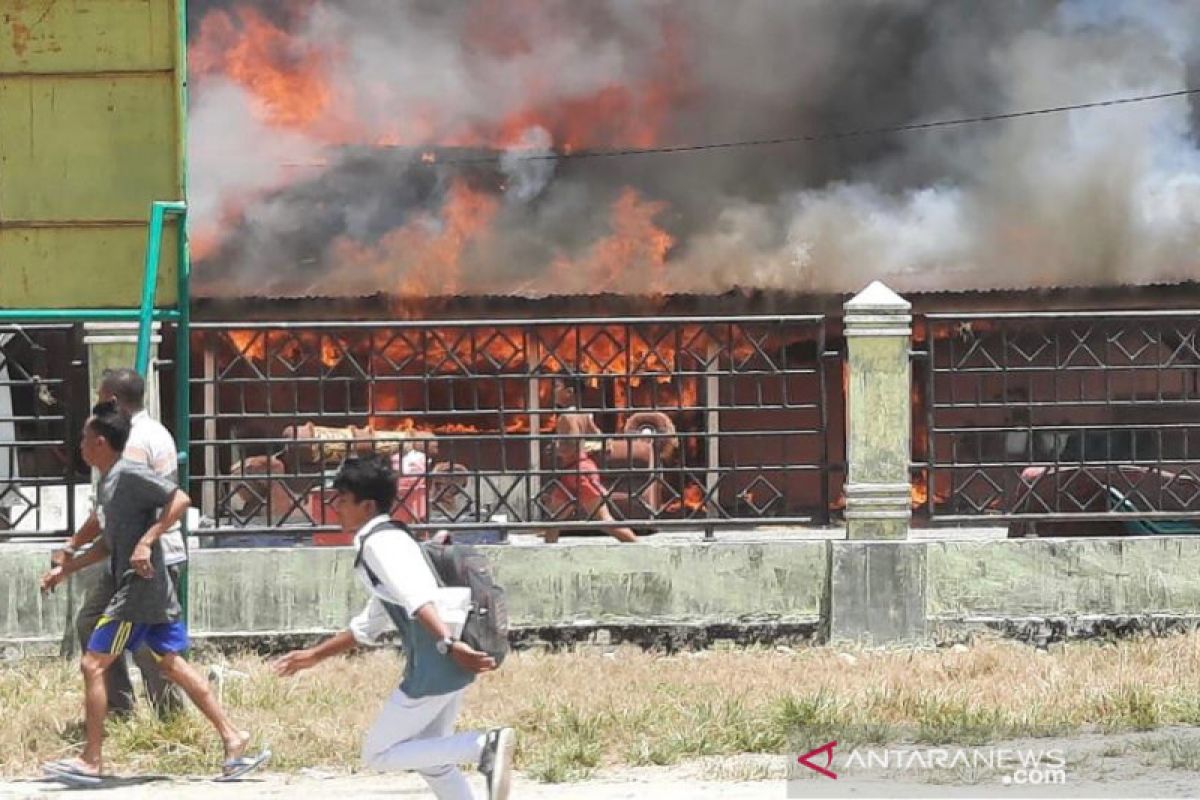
x=471, y=659
x=293, y=662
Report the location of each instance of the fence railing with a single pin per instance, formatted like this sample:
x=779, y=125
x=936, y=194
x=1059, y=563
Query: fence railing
x=701, y=422
x=43, y=403
x=1057, y=416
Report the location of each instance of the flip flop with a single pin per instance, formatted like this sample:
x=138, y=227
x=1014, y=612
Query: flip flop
x=69, y=773
x=235, y=768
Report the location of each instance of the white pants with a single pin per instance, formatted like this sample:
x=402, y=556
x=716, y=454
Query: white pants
x=417, y=733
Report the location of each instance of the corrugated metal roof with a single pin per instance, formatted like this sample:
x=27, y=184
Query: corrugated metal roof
x=748, y=291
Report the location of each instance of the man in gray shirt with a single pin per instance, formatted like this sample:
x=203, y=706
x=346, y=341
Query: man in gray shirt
x=130, y=496
x=150, y=444
x=137, y=508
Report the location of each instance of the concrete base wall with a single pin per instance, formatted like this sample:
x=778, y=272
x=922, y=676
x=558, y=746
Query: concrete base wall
x=29, y=618
x=876, y=592
x=1022, y=577
x=871, y=591
x=241, y=594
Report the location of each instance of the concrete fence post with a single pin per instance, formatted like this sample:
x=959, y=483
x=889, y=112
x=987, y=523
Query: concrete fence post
x=876, y=581
x=878, y=415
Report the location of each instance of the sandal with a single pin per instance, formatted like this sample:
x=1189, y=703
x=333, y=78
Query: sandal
x=235, y=768
x=71, y=772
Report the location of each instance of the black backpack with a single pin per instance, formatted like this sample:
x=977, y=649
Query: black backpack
x=486, y=626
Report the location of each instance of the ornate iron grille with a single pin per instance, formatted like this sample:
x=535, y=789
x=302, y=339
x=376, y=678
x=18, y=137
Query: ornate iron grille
x=703, y=421
x=1053, y=416
x=43, y=403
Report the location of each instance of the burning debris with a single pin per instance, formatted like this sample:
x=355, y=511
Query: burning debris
x=694, y=419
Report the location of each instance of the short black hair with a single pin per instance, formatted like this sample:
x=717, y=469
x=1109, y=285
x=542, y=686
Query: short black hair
x=108, y=421
x=368, y=478
x=126, y=385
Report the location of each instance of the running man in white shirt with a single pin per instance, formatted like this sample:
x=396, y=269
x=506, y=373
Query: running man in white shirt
x=415, y=730
x=151, y=444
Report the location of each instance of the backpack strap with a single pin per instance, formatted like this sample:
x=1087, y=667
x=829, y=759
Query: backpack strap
x=359, y=561
x=392, y=525
x=437, y=575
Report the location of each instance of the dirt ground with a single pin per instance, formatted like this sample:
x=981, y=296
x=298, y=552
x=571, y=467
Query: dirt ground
x=1160, y=763
x=405, y=786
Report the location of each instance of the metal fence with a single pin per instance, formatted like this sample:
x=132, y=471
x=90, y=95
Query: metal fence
x=1059, y=416
x=43, y=403
x=700, y=421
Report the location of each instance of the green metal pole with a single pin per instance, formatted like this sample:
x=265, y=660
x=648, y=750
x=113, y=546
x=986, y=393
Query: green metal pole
x=183, y=396
x=146, y=313
x=158, y=210
x=149, y=286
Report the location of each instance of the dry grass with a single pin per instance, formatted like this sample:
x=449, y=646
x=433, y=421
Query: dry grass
x=578, y=711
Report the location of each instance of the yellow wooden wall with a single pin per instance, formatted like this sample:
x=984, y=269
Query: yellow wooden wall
x=91, y=132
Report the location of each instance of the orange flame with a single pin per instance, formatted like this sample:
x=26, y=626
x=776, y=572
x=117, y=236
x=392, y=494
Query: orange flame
x=291, y=80
x=295, y=85
x=637, y=368
x=251, y=345
x=635, y=242
x=430, y=249
x=692, y=499
x=286, y=76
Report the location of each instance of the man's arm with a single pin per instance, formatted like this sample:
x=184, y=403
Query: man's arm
x=172, y=513
x=298, y=660
x=415, y=588
x=463, y=654
x=176, y=507
x=365, y=628
x=86, y=534
x=60, y=572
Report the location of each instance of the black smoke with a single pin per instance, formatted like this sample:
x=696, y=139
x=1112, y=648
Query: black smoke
x=1086, y=198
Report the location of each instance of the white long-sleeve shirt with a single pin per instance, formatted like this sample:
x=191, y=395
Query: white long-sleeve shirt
x=405, y=579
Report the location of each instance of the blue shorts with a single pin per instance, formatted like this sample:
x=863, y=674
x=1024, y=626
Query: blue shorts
x=112, y=636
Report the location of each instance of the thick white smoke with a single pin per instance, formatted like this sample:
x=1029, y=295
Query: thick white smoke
x=527, y=173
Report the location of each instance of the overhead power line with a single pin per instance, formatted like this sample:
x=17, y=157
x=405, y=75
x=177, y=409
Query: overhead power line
x=815, y=137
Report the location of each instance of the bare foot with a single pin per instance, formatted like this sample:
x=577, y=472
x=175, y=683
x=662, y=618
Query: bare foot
x=623, y=534
x=550, y=537
x=236, y=748
x=237, y=763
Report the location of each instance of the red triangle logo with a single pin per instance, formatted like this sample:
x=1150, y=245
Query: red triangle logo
x=827, y=749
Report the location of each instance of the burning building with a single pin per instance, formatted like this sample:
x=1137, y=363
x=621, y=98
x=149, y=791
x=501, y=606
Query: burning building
x=502, y=165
